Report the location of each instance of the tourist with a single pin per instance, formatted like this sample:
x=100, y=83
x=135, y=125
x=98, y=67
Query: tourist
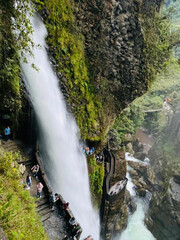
x=87, y=150
x=22, y=169
x=52, y=200
x=7, y=133
x=35, y=170
x=75, y=231
x=72, y=221
x=39, y=189
x=65, y=208
x=28, y=181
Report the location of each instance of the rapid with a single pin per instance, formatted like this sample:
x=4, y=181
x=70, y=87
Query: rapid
x=61, y=152
x=136, y=229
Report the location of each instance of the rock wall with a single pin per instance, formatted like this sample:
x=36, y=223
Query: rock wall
x=114, y=211
x=164, y=214
x=114, y=48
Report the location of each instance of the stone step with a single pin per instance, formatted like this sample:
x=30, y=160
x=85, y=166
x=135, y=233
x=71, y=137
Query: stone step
x=12, y=148
x=42, y=208
x=39, y=206
x=46, y=217
x=45, y=211
x=39, y=201
x=9, y=143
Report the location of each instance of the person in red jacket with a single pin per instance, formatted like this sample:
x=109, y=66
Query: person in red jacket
x=65, y=208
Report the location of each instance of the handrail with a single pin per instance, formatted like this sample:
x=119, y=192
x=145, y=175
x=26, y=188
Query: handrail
x=49, y=191
x=111, y=160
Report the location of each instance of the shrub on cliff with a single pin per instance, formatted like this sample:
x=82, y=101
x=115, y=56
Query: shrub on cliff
x=18, y=216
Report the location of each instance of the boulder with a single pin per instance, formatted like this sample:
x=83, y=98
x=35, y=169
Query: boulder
x=141, y=192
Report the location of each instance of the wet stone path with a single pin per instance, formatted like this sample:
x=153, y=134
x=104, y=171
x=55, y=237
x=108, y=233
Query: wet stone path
x=54, y=224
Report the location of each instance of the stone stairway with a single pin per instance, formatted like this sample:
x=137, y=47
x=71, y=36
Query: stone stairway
x=10, y=145
x=43, y=208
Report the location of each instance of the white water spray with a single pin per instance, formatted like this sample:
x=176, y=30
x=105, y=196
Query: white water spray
x=63, y=160
x=136, y=229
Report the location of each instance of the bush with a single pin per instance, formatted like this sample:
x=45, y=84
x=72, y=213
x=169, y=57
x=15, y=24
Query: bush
x=18, y=216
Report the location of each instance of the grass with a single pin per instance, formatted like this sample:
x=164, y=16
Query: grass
x=18, y=217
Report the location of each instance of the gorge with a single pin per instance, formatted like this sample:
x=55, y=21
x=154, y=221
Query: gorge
x=93, y=60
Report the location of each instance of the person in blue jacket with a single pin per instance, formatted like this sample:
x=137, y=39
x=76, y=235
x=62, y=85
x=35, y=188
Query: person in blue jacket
x=7, y=133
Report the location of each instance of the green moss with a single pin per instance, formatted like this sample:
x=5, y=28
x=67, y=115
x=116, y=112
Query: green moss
x=96, y=174
x=10, y=44
x=67, y=45
x=18, y=216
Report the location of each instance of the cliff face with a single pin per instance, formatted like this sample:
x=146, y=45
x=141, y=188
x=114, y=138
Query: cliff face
x=164, y=214
x=114, y=48
x=113, y=206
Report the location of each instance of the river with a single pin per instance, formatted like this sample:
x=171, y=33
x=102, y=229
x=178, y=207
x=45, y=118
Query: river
x=136, y=229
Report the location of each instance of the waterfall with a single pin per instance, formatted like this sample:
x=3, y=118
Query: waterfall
x=65, y=164
x=136, y=229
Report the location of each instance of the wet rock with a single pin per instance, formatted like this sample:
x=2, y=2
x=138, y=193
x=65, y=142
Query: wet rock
x=130, y=148
x=164, y=215
x=143, y=175
x=141, y=192
x=141, y=156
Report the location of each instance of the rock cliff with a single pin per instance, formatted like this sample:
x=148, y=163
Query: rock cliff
x=164, y=214
x=114, y=48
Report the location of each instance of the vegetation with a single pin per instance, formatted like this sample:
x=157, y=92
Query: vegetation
x=11, y=20
x=66, y=44
x=96, y=173
x=157, y=35
x=133, y=117
x=18, y=216
x=129, y=121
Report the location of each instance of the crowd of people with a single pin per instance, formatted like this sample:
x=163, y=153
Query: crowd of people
x=88, y=151
x=74, y=228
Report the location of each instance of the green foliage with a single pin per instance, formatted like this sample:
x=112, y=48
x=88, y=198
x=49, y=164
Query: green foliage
x=157, y=35
x=96, y=174
x=129, y=121
x=67, y=46
x=15, y=33
x=18, y=216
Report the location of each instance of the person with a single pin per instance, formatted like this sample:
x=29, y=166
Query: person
x=90, y=151
x=87, y=150
x=65, y=208
x=75, y=231
x=7, y=133
x=93, y=149
x=52, y=200
x=39, y=189
x=101, y=158
x=35, y=170
x=72, y=221
x=22, y=169
x=28, y=181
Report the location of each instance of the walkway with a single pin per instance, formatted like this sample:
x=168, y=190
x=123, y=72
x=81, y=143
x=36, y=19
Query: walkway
x=112, y=192
x=54, y=224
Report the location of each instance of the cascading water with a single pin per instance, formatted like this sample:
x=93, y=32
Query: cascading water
x=63, y=160
x=136, y=229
